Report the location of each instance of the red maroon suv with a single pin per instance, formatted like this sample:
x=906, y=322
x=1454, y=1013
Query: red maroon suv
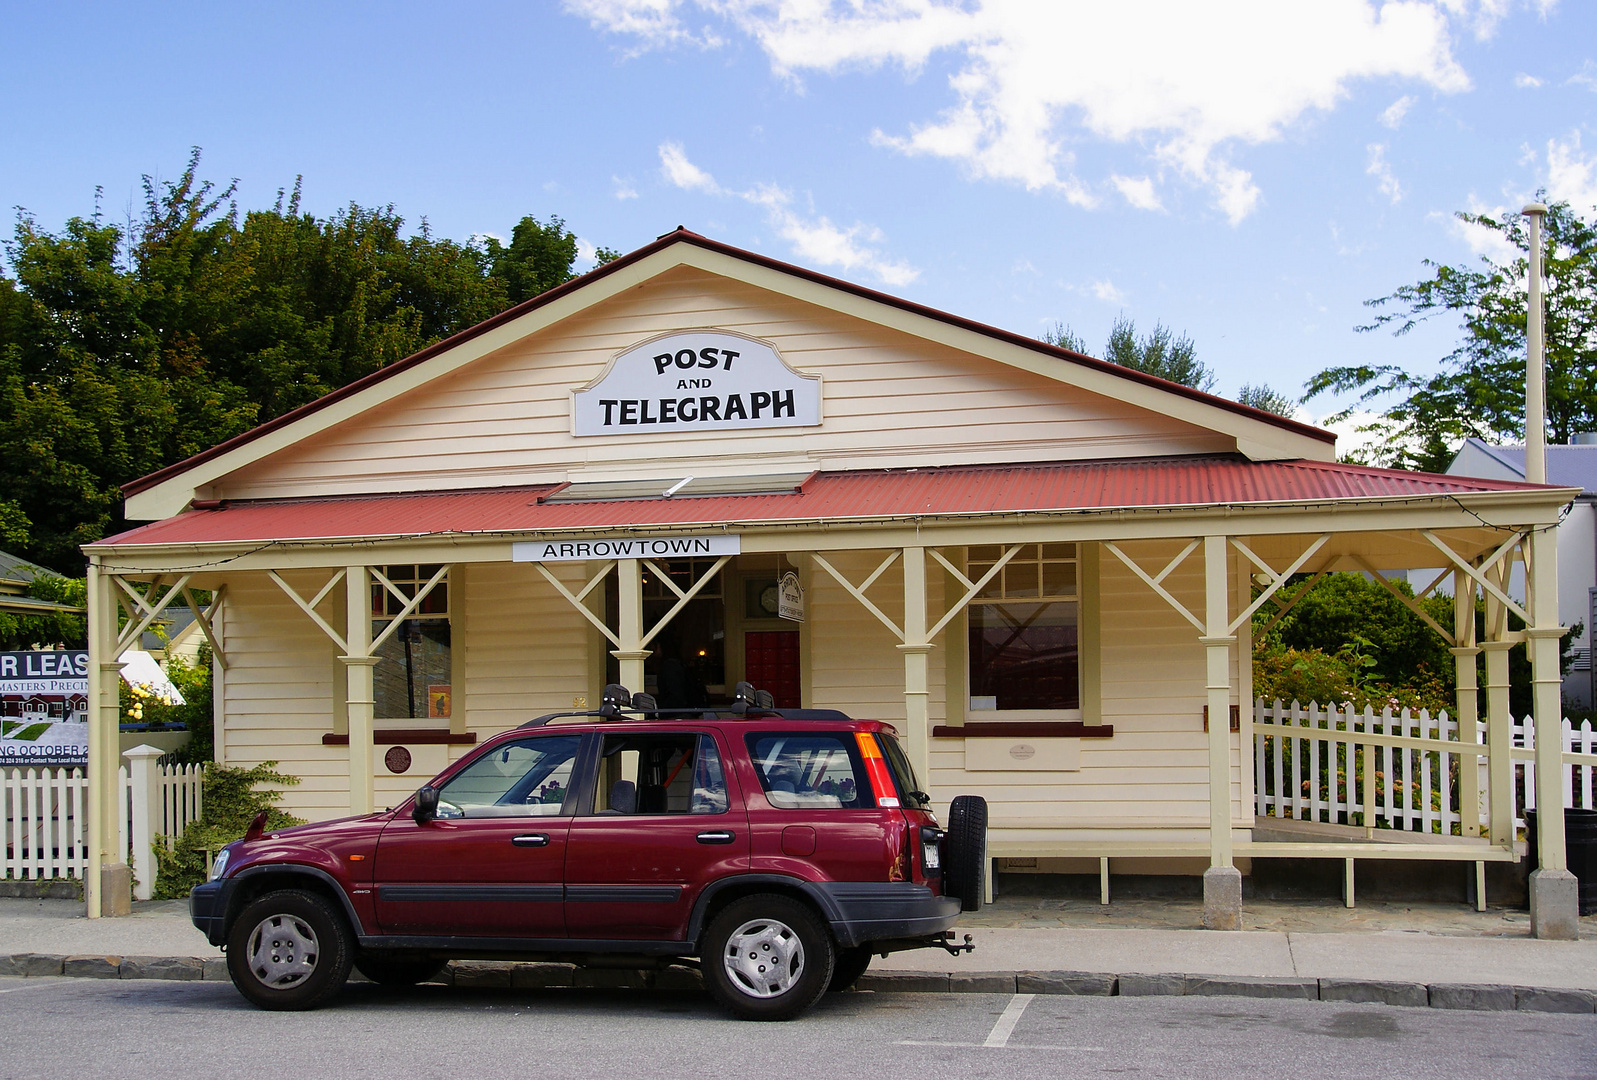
x=780, y=849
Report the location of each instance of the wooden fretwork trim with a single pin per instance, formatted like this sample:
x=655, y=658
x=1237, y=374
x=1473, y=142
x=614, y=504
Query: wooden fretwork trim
x=309, y=606
x=1156, y=583
x=858, y=592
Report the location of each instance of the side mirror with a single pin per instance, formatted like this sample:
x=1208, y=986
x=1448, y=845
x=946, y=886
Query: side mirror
x=426, y=807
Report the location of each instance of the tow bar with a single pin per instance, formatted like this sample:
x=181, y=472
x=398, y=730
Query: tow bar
x=954, y=948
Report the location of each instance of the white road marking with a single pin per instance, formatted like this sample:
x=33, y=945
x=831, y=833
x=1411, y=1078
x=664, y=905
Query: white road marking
x=1006, y=1046
x=999, y=1035
x=14, y=989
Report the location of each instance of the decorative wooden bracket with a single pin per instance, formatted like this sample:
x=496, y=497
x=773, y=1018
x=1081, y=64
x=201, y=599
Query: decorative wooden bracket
x=141, y=612
x=1411, y=602
x=1276, y=580
x=972, y=588
x=411, y=602
x=683, y=596
x=576, y=599
x=858, y=591
x=1480, y=574
x=1156, y=582
x=309, y=606
x=205, y=617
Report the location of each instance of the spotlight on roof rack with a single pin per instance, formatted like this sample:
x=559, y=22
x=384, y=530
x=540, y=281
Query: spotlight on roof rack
x=645, y=702
x=742, y=697
x=764, y=699
x=616, y=697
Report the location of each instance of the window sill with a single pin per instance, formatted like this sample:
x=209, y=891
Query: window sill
x=1035, y=729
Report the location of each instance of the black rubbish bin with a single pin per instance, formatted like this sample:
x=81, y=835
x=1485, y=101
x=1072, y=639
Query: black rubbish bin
x=1580, y=851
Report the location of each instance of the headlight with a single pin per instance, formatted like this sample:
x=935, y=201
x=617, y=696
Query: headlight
x=219, y=867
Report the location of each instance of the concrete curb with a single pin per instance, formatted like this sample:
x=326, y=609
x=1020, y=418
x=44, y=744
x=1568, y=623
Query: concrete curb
x=501, y=975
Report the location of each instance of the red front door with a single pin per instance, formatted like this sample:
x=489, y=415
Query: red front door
x=771, y=662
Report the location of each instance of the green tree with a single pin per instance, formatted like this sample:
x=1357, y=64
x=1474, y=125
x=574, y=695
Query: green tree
x=1479, y=388
x=126, y=350
x=1159, y=352
x=1263, y=397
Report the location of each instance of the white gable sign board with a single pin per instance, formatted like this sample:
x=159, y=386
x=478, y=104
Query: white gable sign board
x=696, y=380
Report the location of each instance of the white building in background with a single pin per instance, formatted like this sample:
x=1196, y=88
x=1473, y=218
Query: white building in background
x=1574, y=465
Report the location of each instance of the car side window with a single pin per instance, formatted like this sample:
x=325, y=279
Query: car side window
x=528, y=778
x=804, y=770
x=649, y=774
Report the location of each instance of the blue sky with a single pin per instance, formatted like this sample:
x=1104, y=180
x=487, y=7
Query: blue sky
x=1247, y=173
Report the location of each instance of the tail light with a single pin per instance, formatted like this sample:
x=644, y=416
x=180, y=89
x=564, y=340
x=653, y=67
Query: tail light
x=876, y=769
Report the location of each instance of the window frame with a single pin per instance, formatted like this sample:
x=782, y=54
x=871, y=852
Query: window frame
x=1085, y=686
x=417, y=575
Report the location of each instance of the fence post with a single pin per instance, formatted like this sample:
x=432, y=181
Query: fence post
x=144, y=777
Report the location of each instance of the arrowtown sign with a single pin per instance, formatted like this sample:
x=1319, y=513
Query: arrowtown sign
x=696, y=380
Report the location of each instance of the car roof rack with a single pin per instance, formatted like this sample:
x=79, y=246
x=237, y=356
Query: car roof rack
x=747, y=703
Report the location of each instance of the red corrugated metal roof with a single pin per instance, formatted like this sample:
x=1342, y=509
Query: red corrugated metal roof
x=868, y=495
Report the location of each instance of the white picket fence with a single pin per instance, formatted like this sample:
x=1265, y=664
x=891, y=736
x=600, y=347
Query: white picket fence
x=1389, y=770
x=44, y=830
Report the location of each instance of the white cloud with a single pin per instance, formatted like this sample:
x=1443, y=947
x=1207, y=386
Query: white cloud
x=1186, y=86
x=1381, y=169
x=1482, y=16
x=1392, y=115
x=1138, y=191
x=625, y=189
x=813, y=236
x=1107, y=291
x=682, y=173
x=1571, y=175
x=1586, y=76
x=1480, y=239
x=1526, y=82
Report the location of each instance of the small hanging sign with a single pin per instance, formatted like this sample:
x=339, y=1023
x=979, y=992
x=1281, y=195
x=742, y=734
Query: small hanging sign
x=790, y=598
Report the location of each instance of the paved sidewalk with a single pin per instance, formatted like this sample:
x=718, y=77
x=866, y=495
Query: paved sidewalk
x=1443, y=955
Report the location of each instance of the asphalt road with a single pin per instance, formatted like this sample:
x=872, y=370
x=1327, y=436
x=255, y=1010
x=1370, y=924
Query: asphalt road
x=87, y=1028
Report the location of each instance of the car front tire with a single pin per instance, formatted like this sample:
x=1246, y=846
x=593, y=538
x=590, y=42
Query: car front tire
x=767, y=957
x=289, y=950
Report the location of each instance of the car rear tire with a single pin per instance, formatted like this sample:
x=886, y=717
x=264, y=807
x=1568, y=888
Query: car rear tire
x=767, y=957
x=289, y=950
x=388, y=969
x=965, y=852
x=850, y=965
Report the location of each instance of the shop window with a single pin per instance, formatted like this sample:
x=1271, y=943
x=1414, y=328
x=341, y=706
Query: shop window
x=1024, y=647
x=412, y=678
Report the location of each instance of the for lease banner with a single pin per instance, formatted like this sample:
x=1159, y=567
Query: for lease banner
x=44, y=699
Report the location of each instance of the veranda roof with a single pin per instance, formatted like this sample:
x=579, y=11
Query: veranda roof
x=868, y=495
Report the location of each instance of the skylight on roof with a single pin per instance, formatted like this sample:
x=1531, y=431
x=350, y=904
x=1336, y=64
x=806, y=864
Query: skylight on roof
x=682, y=487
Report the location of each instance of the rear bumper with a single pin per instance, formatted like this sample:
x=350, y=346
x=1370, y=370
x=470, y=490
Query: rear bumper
x=866, y=911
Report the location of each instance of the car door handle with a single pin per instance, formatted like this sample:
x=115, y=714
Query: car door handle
x=530, y=840
x=720, y=836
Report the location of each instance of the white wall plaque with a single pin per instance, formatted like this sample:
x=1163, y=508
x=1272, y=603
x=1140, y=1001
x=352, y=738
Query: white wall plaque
x=630, y=547
x=696, y=380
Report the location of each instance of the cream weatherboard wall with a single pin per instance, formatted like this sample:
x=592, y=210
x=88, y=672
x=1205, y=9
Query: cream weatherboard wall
x=526, y=651
x=889, y=400
x=1149, y=782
